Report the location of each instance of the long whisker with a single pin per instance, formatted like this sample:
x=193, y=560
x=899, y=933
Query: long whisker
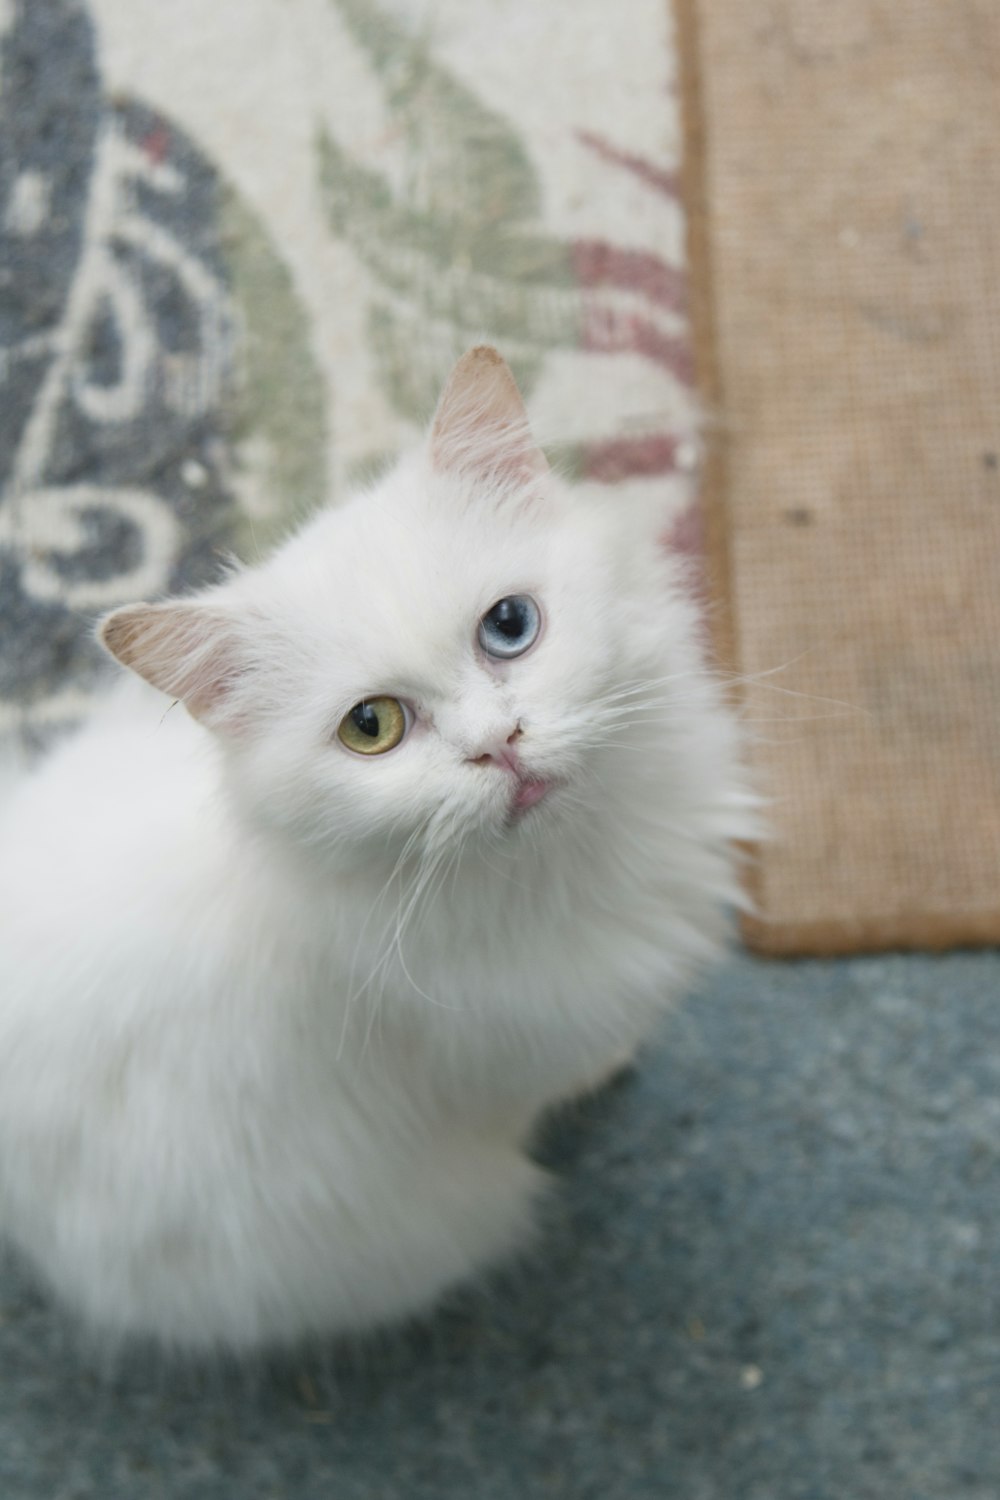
x=432, y=870
x=355, y=992
x=635, y=686
x=421, y=888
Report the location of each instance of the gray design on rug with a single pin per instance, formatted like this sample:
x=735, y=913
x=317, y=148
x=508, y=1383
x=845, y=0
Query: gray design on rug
x=119, y=355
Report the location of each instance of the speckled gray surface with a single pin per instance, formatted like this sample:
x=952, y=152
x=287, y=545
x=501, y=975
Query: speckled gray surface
x=771, y=1274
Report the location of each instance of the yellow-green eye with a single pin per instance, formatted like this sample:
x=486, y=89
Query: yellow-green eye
x=373, y=726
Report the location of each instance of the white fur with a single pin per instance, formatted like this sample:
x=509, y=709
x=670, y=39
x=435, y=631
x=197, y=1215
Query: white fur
x=276, y=1021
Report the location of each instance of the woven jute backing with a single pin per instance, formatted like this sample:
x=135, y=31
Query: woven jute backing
x=843, y=174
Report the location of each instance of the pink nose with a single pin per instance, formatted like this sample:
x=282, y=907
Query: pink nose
x=501, y=752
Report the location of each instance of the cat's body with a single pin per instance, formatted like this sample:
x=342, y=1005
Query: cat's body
x=277, y=1018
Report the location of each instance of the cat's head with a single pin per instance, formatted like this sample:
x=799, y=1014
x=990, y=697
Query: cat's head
x=437, y=659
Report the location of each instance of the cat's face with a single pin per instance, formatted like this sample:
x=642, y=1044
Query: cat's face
x=433, y=662
x=438, y=669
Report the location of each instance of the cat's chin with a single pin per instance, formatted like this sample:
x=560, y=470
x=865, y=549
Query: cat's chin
x=529, y=792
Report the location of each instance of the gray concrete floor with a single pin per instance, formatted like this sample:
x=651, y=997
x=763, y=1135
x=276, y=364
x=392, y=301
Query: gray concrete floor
x=771, y=1274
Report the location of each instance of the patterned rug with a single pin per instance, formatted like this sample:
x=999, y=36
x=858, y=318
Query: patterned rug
x=242, y=243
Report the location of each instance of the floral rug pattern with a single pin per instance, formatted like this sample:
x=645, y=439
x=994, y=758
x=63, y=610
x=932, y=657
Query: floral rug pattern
x=241, y=246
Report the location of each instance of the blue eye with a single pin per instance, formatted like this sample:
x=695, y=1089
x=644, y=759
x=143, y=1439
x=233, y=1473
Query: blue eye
x=510, y=627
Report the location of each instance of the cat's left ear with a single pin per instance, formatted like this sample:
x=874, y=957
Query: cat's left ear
x=188, y=648
x=481, y=426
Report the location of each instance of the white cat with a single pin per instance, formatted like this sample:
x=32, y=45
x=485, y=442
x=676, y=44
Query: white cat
x=286, y=982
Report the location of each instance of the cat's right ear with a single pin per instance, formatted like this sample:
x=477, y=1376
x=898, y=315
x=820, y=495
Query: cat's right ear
x=481, y=425
x=188, y=649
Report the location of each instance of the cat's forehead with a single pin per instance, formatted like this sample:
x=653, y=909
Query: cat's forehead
x=391, y=588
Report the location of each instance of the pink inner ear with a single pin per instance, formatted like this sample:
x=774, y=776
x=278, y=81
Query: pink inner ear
x=187, y=650
x=481, y=424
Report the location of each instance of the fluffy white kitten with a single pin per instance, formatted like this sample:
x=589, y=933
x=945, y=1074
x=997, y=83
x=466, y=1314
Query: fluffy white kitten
x=285, y=982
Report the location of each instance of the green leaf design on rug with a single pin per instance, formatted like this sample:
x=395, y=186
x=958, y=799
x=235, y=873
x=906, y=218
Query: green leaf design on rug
x=453, y=252
x=279, y=423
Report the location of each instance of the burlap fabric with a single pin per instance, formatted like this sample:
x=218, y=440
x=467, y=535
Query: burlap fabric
x=844, y=177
